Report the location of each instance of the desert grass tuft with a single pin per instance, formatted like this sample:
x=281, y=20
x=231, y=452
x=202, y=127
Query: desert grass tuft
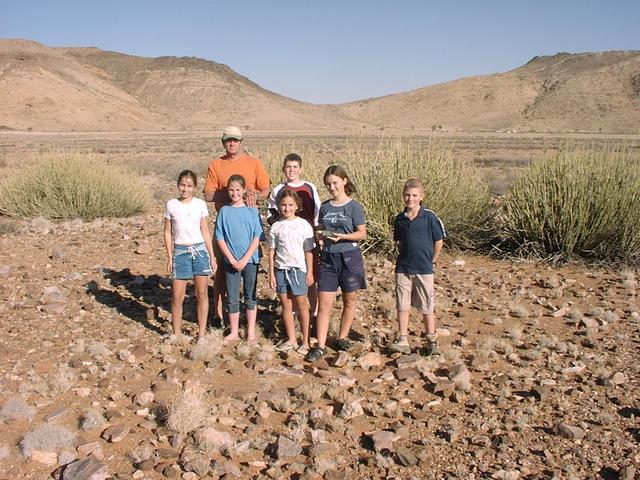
x=17, y=409
x=208, y=348
x=47, y=437
x=188, y=411
x=578, y=202
x=69, y=185
x=61, y=380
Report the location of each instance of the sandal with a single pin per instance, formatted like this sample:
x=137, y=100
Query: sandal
x=302, y=350
x=285, y=346
x=344, y=344
x=315, y=354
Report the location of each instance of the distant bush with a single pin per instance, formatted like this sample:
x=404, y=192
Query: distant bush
x=47, y=437
x=16, y=409
x=71, y=185
x=581, y=202
x=379, y=168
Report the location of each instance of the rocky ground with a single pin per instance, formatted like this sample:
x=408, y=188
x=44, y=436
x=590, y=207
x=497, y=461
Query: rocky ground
x=538, y=376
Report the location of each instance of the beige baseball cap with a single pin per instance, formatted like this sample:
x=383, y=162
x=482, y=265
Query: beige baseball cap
x=231, y=132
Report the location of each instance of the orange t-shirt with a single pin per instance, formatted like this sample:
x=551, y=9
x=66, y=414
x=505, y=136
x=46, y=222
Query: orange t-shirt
x=220, y=169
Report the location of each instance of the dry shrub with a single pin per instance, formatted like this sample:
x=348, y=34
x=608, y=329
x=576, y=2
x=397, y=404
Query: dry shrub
x=61, y=380
x=580, y=202
x=379, y=168
x=69, y=185
x=297, y=427
x=142, y=453
x=98, y=349
x=16, y=409
x=47, y=437
x=208, y=348
x=188, y=412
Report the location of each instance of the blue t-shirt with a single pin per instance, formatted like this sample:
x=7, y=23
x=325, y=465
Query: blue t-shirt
x=415, y=241
x=342, y=218
x=238, y=226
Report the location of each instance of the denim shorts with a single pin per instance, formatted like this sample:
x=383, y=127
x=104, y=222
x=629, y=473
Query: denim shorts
x=344, y=270
x=291, y=280
x=190, y=261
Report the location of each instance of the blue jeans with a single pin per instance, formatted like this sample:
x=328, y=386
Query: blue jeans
x=249, y=276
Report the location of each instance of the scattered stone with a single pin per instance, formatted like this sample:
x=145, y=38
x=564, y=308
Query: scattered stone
x=406, y=457
x=570, y=432
x=144, y=248
x=341, y=359
x=383, y=440
x=115, y=434
x=460, y=376
x=48, y=458
x=369, y=360
x=287, y=448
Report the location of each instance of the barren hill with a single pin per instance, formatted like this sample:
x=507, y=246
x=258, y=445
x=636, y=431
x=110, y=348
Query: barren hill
x=86, y=89
x=565, y=92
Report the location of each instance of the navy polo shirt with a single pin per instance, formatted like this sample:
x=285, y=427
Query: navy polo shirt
x=415, y=241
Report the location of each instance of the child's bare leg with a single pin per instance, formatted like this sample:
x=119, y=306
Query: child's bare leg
x=312, y=296
x=251, y=324
x=325, y=304
x=218, y=292
x=349, y=300
x=234, y=322
x=403, y=322
x=287, y=318
x=202, y=297
x=303, y=316
x=429, y=320
x=178, y=289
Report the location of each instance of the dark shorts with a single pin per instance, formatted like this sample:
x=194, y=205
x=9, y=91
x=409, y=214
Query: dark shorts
x=344, y=270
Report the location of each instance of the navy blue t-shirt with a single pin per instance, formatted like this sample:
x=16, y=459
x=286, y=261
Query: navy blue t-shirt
x=415, y=241
x=343, y=218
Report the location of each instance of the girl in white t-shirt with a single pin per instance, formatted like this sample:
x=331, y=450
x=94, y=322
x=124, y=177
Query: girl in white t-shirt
x=187, y=231
x=291, y=243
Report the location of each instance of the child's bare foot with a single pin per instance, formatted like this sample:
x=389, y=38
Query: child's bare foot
x=252, y=341
x=231, y=338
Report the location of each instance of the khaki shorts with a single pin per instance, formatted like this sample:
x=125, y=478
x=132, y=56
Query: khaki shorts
x=415, y=291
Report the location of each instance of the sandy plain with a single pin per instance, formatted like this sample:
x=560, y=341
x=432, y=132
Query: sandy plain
x=538, y=377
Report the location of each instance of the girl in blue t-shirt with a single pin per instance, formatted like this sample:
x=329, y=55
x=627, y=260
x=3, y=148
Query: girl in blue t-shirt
x=238, y=232
x=343, y=226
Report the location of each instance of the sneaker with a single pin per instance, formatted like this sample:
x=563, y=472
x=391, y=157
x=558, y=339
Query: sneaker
x=401, y=345
x=285, y=346
x=344, y=344
x=431, y=346
x=315, y=354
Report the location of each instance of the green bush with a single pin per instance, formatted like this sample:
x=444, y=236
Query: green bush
x=71, y=185
x=581, y=202
x=379, y=168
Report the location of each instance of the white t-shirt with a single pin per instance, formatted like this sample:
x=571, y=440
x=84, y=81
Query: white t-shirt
x=290, y=239
x=185, y=220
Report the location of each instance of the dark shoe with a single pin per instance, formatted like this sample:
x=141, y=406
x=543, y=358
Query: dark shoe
x=315, y=354
x=431, y=346
x=344, y=344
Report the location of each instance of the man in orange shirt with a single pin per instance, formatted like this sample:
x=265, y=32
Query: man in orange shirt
x=234, y=161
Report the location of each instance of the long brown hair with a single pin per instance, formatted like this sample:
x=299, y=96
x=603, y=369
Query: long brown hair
x=338, y=171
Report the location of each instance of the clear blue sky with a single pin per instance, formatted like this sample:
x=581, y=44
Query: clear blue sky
x=334, y=51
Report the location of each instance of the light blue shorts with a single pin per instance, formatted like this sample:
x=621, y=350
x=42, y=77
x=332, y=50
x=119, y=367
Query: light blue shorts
x=190, y=261
x=291, y=280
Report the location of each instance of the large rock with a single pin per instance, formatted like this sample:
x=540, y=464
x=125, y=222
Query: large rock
x=287, y=448
x=89, y=468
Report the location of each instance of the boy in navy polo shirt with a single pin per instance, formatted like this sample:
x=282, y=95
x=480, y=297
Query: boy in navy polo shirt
x=419, y=234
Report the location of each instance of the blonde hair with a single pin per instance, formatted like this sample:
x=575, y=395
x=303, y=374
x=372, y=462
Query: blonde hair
x=412, y=183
